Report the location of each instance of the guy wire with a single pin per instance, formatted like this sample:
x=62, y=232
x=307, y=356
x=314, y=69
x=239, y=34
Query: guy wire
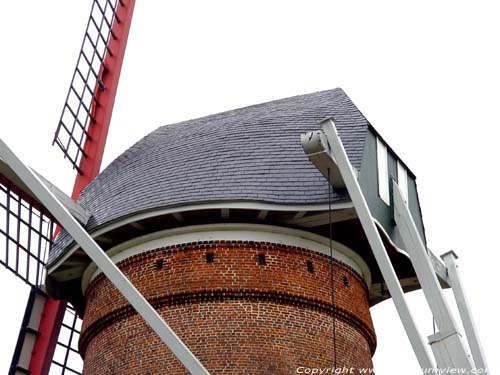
x=332, y=286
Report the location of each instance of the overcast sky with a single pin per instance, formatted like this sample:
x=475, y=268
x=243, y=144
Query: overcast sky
x=425, y=74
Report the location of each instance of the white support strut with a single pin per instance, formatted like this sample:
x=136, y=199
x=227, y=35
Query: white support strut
x=465, y=312
x=448, y=346
x=119, y=280
x=419, y=347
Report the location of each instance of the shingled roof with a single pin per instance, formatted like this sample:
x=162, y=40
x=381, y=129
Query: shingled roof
x=249, y=154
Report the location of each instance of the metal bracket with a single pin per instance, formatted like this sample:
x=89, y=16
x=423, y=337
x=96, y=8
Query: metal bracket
x=317, y=149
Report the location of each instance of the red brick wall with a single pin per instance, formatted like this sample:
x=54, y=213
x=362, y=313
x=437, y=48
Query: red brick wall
x=236, y=315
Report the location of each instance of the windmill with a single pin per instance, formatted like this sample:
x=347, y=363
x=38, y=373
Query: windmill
x=81, y=135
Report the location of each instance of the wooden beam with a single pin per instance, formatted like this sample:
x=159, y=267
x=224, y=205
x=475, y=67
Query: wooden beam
x=138, y=226
x=300, y=214
x=224, y=212
x=178, y=216
x=105, y=239
x=322, y=218
x=262, y=214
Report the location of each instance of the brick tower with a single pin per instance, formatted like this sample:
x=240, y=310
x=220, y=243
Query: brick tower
x=239, y=242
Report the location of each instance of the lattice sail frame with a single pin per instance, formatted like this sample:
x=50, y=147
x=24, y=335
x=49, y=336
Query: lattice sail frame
x=88, y=103
x=66, y=358
x=26, y=232
x=83, y=95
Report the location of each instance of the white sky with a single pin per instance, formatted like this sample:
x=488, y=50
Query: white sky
x=425, y=74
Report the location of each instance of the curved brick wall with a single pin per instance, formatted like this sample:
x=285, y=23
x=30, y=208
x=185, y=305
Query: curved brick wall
x=237, y=315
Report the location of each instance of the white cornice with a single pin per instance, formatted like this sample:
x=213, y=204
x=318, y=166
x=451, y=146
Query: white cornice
x=242, y=205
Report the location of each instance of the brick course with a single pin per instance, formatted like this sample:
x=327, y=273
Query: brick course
x=238, y=316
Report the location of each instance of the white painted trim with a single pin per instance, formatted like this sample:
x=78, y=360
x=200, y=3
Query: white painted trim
x=403, y=180
x=242, y=205
x=382, y=172
x=233, y=232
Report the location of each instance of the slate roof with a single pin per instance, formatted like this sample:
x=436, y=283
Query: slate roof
x=247, y=154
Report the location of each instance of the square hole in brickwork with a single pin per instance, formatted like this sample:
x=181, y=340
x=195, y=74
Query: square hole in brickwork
x=310, y=266
x=346, y=281
x=209, y=257
x=261, y=258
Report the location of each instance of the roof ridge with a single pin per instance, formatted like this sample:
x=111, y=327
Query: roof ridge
x=254, y=106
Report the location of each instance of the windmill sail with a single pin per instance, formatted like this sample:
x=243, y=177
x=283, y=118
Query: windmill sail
x=81, y=135
x=26, y=228
x=88, y=82
x=66, y=358
x=26, y=231
x=26, y=236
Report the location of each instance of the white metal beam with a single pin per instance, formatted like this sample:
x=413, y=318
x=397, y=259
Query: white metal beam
x=447, y=345
x=421, y=263
x=465, y=312
x=119, y=280
x=80, y=213
x=340, y=156
x=440, y=269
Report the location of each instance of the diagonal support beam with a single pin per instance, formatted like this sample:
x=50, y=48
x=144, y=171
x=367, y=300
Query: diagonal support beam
x=422, y=263
x=119, y=280
x=447, y=345
x=340, y=156
x=80, y=213
x=465, y=312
